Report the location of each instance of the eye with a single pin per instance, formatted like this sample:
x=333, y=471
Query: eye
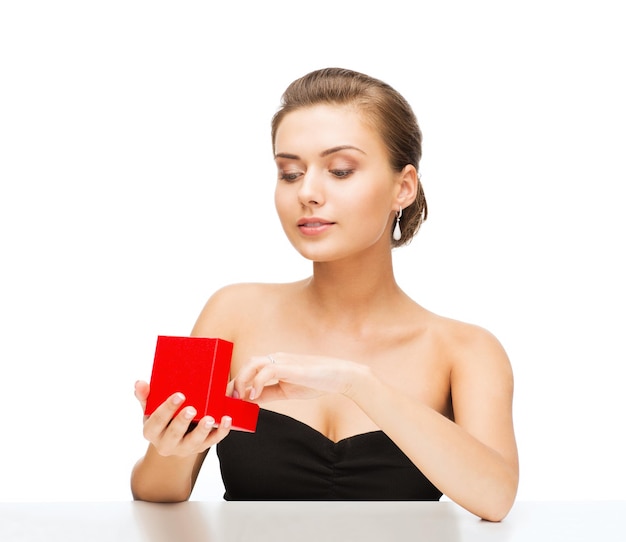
x=341, y=173
x=289, y=176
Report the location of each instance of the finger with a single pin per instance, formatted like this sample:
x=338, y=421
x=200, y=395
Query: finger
x=265, y=375
x=231, y=391
x=206, y=434
x=244, y=381
x=142, y=390
x=158, y=421
x=269, y=393
x=222, y=430
x=174, y=435
x=196, y=438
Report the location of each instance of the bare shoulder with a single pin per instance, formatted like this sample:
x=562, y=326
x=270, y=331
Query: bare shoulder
x=228, y=308
x=471, y=349
x=481, y=384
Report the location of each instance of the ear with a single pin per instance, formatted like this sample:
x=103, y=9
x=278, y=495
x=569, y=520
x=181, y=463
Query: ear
x=406, y=187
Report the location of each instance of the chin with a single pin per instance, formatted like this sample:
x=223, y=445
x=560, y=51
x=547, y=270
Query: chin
x=338, y=248
x=317, y=253
x=327, y=254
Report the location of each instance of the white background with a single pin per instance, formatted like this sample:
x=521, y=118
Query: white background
x=137, y=177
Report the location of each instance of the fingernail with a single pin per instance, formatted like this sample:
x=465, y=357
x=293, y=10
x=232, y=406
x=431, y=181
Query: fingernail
x=227, y=421
x=235, y=394
x=209, y=423
x=252, y=394
x=189, y=413
x=178, y=398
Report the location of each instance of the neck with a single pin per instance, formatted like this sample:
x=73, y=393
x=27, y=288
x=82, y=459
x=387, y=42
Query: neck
x=354, y=291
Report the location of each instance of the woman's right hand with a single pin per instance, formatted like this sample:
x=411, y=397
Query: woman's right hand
x=170, y=435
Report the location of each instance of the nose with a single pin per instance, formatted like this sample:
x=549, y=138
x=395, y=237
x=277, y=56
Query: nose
x=311, y=189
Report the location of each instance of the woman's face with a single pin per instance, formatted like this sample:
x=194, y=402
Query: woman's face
x=336, y=192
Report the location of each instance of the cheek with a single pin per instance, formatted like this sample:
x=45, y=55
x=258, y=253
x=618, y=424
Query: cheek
x=374, y=203
x=277, y=199
x=374, y=211
x=281, y=203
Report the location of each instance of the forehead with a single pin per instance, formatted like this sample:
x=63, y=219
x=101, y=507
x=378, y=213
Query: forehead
x=324, y=126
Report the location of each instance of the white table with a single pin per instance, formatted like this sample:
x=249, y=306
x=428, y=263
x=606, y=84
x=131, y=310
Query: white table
x=308, y=521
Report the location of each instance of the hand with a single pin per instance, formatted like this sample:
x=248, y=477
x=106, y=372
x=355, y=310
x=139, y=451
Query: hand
x=294, y=376
x=172, y=435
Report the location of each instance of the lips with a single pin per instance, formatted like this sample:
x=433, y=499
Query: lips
x=312, y=226
x=313, y=222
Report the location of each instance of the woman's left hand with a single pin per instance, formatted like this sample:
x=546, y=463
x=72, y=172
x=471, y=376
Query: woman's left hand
x=294, y=376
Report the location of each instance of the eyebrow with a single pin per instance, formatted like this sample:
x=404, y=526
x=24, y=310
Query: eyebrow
x=324, y=153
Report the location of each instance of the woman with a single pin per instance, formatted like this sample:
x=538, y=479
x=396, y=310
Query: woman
x=364, y=394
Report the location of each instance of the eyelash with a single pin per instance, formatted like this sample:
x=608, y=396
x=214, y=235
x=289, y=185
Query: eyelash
x=338, y=173
x=289, y=177
x=342, y=173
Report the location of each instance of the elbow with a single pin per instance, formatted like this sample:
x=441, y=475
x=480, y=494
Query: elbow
x=501, y=502
x=159, y=497
x=148, y=489
x=149, y=492
x=497, y=512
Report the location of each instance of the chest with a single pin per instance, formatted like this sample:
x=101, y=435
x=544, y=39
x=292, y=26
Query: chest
x=406, y=359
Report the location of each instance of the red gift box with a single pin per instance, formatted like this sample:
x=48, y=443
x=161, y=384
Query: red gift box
x=198, y=367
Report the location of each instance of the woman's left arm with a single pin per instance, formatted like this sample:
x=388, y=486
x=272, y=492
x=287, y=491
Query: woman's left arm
x=472, y=460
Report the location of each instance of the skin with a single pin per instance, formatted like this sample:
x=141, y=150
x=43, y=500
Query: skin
x=353, y=353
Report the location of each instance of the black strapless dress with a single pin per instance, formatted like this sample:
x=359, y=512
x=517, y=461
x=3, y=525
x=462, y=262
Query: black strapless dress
x=287, y=460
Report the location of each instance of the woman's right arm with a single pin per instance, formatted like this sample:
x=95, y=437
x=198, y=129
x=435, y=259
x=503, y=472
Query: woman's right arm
x=168, y=471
